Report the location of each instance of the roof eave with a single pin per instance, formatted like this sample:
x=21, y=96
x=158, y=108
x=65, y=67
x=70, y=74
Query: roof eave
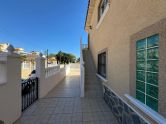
x=89, y=14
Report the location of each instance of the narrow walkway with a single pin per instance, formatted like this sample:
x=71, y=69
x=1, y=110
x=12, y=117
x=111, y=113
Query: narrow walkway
x=64, y=106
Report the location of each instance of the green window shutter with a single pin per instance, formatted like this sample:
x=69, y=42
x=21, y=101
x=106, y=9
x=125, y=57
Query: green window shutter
x=140, y=76
x=147, y=68
x=140, y=96
x=140, y=86
x=141, y=44
x=152, y=91
x=152, y=78
x=152, y=103
x=152, y=65
x=153, y=41
x=152, y=54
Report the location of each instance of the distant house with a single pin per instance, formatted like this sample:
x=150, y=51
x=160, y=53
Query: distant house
x=3, y=47
x=27, y=59
x=52, y=60
x=20, y=51
x=29, y=63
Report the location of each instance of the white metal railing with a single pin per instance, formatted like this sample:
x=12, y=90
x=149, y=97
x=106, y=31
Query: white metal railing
x=67, y=68
x=82, y=68
x=50, y=65
x=51, y=70
x=84, y=46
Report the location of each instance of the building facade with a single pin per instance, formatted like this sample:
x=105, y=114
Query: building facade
x=3, y=47
x=29, y=64
x=127, y=40
x=27, y=59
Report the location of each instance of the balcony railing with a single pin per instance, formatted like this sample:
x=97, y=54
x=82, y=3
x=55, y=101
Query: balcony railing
x=82, y=68
x=52, y=70
x=51, y=65
x=29, y=92
x=84, y=46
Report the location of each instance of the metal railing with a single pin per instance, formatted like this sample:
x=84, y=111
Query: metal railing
x=29, y=92
x=50, y=65
x=82, y=68
x=52, y=70
x=84, y=46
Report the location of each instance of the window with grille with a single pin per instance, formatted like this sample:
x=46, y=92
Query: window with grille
x=102, y=7
x=102, y=64
x=147, y=71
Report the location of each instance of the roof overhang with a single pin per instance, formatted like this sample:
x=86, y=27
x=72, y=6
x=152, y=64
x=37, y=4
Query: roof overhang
x=91, y=4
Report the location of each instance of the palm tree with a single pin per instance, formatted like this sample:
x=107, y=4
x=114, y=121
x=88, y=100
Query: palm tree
x=65, y=58
x=59, y=56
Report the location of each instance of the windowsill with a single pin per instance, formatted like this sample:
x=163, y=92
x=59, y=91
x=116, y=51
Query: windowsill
x=103, y=15
x=147, y=110
x=102, y=78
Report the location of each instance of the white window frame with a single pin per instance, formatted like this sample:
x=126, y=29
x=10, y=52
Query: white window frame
x=24, y=65
x=146, y=49
x=146, y=109
x=97, y=74
x=101, y=18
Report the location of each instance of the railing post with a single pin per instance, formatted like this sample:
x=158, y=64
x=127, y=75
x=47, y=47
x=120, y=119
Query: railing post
x=10, y=86
x=67, y=68
x=82, y=79
x=82, y=71
x=40, y=72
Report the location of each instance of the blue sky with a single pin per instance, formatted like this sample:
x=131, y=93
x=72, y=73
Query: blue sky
x=43, y=24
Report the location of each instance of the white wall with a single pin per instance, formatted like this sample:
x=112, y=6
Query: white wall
x=67, y=67
x=47, y=83
x=10, y=84
x=10, y=90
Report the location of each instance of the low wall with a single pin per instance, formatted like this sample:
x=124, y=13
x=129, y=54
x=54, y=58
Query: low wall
x=10, y=89
x=124, y=113
x=10, y=102
x=48, y=83
x=49, y=77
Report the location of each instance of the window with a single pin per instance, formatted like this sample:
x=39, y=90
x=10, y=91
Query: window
x=102, y=7
x=102, y=64
x=147, y=71
x=26, y=65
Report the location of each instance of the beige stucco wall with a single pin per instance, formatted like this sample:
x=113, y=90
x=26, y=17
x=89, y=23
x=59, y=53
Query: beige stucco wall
x=124, y=18
x=10, y=92
x=25, y=73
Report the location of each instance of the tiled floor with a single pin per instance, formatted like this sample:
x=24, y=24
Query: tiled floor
x=64, y=106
